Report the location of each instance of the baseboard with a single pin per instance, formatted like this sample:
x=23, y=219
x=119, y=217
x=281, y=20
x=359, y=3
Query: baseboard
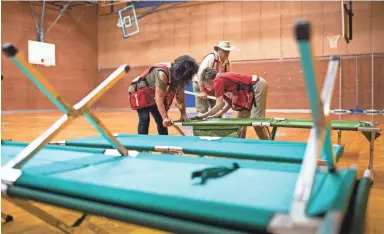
x=110, y=109
x=300, y=111
x=189, y=110
x=304, y=111
x=29, y=111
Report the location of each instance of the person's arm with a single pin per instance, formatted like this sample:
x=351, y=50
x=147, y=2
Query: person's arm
x=221, y=112
x=159, y=98
x=207, y=62
x=218, y=106
x=219, y=88
x=180, y=98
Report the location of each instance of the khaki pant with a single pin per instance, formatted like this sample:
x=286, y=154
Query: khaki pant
x=201, y=104
x=260, y=90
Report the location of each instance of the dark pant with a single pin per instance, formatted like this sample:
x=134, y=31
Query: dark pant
x=144, y=120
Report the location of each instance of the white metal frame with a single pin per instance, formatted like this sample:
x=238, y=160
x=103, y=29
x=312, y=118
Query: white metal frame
x=10, y=172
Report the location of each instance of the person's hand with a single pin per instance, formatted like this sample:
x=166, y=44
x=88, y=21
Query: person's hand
x=185, y=118
x=201, y=115
x=167, y=123
x=217, y=115
x=203, y=95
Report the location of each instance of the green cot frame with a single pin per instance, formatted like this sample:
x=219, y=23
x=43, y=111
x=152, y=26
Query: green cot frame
x=156, y=190
x=277, y=151
x=230, y=127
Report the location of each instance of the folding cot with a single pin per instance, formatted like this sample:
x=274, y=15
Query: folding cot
x=156, y=190
x=230, y=126
x=278, y=151
x=226, y=127
x=186, y=194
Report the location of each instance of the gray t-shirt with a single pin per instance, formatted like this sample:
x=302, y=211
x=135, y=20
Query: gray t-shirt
x=153, y=79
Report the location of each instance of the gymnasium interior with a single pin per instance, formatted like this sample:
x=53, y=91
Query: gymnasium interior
x=74, y=162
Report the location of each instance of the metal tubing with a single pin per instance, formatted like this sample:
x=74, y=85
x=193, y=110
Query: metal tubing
x=340, y=85
x=41, y=32
x=372, y=110
x=357, y=85
x=371, y=150
x=340, y=110
x=70, y=113
x=365, y=129
x=372, y=81
x=103, y=130
x=28, y=152
x=43, y=215
x=176, y=127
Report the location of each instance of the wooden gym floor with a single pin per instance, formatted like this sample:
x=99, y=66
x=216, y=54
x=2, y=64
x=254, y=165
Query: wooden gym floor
x=26, y=127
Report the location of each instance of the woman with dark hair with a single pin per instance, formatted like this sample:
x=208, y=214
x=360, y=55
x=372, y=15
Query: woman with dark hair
x=153, y=92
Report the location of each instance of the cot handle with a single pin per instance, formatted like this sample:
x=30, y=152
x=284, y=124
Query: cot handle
x=198, y=95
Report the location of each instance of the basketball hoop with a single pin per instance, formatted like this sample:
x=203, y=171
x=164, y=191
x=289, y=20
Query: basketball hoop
x=126, y=22
x=333, y=39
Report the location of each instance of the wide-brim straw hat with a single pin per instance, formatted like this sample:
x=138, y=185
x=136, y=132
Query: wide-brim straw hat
x=224, y=45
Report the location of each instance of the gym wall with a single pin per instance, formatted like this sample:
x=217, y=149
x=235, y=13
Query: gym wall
x=89, y=48
x=262, y=33
x=75, y=37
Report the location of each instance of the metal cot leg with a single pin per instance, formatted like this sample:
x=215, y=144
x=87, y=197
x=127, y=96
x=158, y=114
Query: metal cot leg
x=273, y=135
x=82, y=223
x=7, y=218
x=371, y=150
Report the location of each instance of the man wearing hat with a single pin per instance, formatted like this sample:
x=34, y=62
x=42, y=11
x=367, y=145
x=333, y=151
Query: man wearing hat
x=217, y=60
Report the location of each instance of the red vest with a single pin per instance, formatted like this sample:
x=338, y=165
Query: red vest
x=145, y=96
x=243, y=96
x=215, y=65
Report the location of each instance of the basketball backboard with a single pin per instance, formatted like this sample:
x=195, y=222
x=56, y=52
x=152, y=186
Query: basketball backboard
x=41, y=53
x=127, y=21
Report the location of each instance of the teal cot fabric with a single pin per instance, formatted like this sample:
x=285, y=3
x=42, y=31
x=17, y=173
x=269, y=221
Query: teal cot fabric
x=266, y=150
x=293, y=123
x=245, y=199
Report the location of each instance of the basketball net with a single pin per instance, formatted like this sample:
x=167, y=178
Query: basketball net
x=333, y=39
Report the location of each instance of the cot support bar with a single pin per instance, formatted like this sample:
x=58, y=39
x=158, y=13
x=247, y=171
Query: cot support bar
x=371, y=150
x=371, y=134
x=177, y=128
x=326, y=97
x=102, y=88
x=198, y=95
x=315, y=142
x=7, y=218
x=53, y=221
x=87, y=224
x=339, y=137
x=105, y=132
x=28, y=152
x=81, y=108
x=13, y=53
x=273, y=134
x=169, y=149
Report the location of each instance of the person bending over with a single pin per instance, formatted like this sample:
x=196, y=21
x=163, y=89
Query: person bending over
x=218, y=60
x=246, y=94
x=153, y=92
